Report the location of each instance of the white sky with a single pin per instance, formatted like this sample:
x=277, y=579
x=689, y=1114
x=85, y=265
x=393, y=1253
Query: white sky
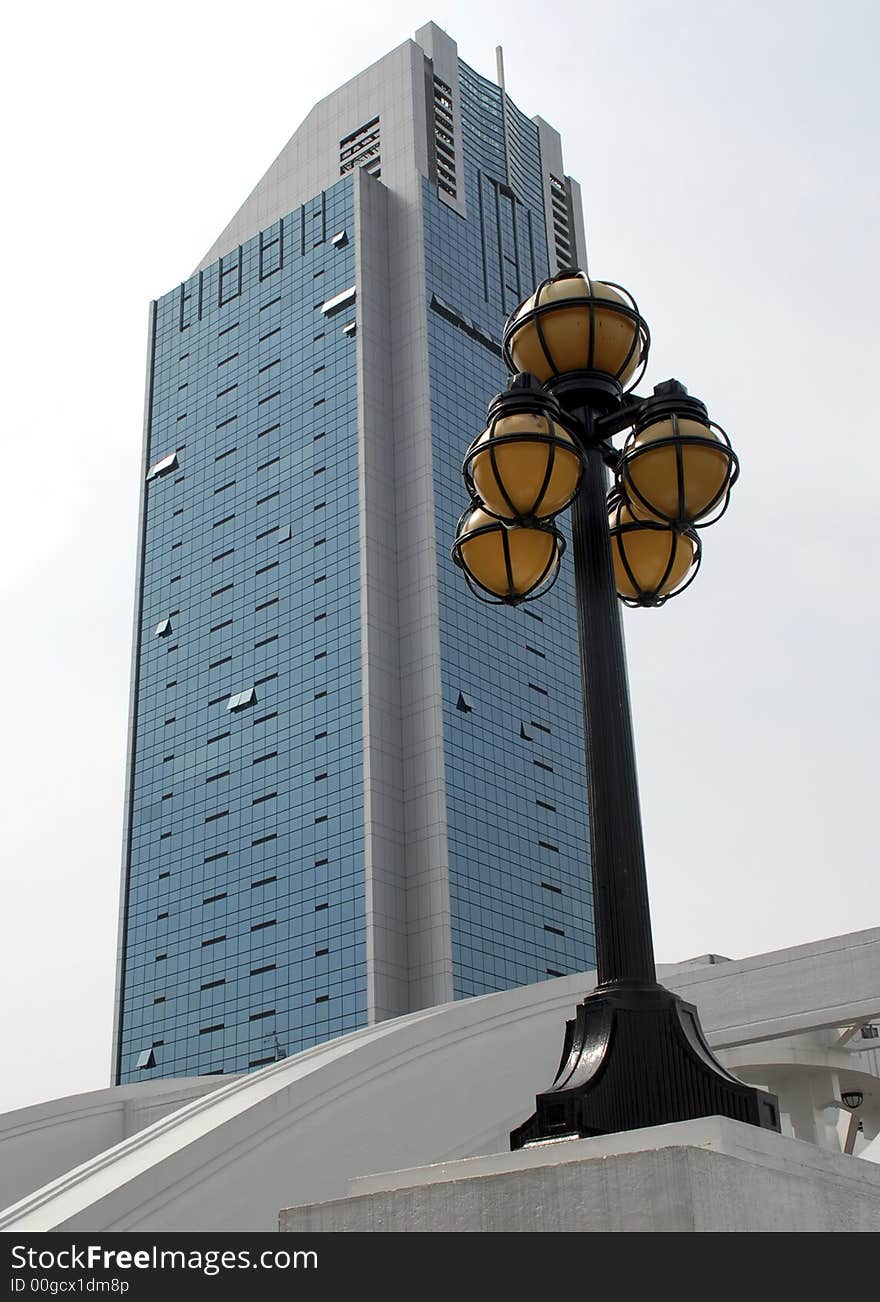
x=728, y=158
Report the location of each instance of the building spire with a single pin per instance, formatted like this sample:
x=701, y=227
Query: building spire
x=499, y=64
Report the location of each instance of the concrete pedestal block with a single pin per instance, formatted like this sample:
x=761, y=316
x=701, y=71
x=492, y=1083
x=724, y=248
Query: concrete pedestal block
x=711, y=1175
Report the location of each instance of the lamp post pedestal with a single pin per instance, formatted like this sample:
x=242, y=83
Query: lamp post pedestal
x=633, y=1056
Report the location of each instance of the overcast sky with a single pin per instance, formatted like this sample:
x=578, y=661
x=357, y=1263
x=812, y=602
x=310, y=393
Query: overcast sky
x=728, y=158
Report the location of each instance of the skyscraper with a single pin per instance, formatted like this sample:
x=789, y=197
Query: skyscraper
x=350, y=794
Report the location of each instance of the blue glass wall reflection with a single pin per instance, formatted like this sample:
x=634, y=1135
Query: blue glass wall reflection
x=520, y=884
x=245, y=922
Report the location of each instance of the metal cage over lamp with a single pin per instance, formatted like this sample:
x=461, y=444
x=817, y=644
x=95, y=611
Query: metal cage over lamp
x=677, y=466
x=652, y=561
x=506, y=564
x=574, y=324
x=525, y=466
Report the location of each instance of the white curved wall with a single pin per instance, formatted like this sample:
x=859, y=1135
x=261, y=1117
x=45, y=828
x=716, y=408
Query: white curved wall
x=438, y=1084
x=43, y=1141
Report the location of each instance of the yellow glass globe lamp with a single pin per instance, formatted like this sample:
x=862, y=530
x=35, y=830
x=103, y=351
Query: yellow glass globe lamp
x=525, y=466
x=508, y=564
x=652, y=562
x=678, y=467
x=572, y=323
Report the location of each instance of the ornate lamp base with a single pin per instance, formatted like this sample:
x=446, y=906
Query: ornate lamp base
x=635, y=1056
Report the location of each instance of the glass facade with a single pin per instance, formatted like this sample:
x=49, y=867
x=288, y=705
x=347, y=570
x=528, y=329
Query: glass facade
x=244, y=930
x=520, y=890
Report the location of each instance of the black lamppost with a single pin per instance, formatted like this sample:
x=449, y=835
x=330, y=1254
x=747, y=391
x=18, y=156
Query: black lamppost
x=635, y=1054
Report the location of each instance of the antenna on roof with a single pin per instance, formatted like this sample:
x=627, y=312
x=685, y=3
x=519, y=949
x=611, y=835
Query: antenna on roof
x=499, y=64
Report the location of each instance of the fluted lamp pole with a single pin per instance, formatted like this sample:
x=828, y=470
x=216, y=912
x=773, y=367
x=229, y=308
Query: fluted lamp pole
x=634, y=1055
